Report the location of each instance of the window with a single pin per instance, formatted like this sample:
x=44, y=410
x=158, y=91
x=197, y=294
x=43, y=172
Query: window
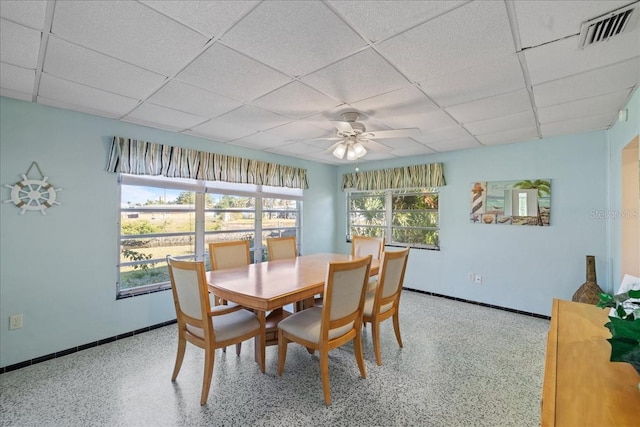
x=180, y=217
x=403, y=217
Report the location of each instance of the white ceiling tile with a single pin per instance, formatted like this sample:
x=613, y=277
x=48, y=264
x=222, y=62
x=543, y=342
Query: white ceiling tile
x=79, y=108
x=190, y=99
x=360, y=76
x=502, y=123
x=397, y=143
x=594, y=106
x=29, y=13
x=455, y=41
x=70, y=93
x=495, y=106
x=596, y=82
x=542, y=21
x=295, y=100
x=406, y=101
x=375, y=155
x=379, y=20
x=129, y=31
x=295, y=37
x=9, y=93
x=454, y=144
x=583, y=124
x=498, y=76
x=254, y=118
x=220, y=130
x=563, y=58
x=296, y=148
x=431, y=136
x=413, y=150
x=100, y=71
x=229, y=73
x=17, y=78
x=259, y=141
x=509, y=136
x=432, y=119
x=19, y=45
x=208, y=17
x=298, y=131
x=167, y=117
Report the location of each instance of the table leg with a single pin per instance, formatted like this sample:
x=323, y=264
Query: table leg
x=260, y=341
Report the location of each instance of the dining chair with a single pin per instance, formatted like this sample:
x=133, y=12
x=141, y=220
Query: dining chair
x=282, y=248
x=384, y=301
x=363, y=246
x=231, y=254
x=336, y=323
x=201, y=324
x=279, y=248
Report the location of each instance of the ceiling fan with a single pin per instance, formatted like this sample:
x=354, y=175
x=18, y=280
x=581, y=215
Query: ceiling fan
x=352, y=137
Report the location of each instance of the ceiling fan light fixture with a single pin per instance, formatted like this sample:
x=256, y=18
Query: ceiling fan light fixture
x=351, y=153
x=359, y=150
x=340, y=150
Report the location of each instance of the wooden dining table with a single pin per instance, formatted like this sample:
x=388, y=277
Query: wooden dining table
x=267, y=286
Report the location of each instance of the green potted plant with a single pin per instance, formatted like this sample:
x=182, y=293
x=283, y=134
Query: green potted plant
x=624, y=325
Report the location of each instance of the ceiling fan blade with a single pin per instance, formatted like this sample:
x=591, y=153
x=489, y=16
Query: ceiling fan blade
x=394, y=133
x=373, y=145
x=344, y=127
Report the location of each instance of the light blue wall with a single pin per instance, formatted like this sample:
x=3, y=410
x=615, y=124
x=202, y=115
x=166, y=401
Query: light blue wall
x=523, y=268
x=619, y=136
x=59, y=269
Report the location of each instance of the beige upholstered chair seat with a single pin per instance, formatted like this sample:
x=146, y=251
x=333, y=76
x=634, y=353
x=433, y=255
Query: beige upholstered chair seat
x=368, y=305
x=228, y=326
x=307, y=324
x=373, y=284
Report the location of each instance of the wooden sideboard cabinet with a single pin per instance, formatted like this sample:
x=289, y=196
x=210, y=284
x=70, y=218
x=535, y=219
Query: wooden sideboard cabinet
x=581, y=386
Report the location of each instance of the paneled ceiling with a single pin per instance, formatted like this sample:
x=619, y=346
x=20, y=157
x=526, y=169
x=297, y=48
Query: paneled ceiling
x=272, y=75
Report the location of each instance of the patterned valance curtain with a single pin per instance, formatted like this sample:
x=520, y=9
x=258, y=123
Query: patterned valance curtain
x=417, y=176
x=138, y=157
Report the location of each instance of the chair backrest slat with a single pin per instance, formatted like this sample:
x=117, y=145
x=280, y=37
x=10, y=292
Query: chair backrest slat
x=344, y=292
x=233, y=254
x=391, y=275
x=282, y=248
x=190, y=293
x=362, y=246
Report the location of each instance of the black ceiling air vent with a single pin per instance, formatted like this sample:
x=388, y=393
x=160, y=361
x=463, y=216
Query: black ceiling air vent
x=609, y=25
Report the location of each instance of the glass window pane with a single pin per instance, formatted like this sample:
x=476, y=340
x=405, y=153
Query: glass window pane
x=373, y=202
x=416, y=237
x=367, y=218
x=154, y=222
x=415, y=219
x=415, y=201
x=367, y=231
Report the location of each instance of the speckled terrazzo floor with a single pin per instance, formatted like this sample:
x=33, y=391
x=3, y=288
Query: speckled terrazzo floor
x=462, y=365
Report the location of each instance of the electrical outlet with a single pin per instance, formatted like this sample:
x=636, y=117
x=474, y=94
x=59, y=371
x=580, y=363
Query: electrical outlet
x=478, y=279
x=15, y=321
x=471, y=277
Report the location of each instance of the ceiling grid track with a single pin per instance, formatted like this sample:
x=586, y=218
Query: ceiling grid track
x=48, y=23
x=513, y=23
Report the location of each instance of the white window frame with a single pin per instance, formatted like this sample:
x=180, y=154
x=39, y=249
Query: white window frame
x=201, y=188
